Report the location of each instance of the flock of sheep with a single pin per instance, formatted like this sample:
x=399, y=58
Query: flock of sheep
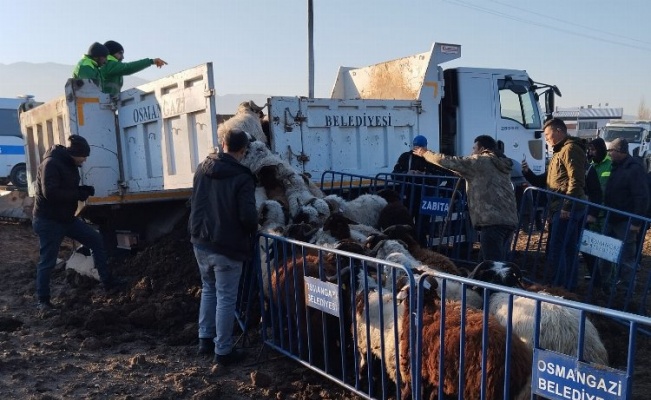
x=375, y=326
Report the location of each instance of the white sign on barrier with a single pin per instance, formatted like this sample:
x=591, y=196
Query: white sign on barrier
x=321, y=295
x=601, y=246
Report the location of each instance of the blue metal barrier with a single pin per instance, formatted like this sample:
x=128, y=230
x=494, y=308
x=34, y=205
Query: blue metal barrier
x=612, y=253
x=359, y=321
x=437, y=203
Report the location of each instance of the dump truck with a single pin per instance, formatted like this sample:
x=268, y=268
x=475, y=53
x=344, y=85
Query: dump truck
x=637, y=133
x=146, y=145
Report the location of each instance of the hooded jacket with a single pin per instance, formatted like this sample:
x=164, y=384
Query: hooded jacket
x=87, y=68
x=114, y=69
x=491, y=198
x=223, y=216
x=57, y=186
x=627, y=189
x=565, y=174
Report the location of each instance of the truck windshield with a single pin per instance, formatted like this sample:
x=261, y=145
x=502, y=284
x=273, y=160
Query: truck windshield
x=631, y=134
x=521, y=108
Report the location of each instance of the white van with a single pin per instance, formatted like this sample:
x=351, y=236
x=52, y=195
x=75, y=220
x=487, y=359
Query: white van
x=12, y=146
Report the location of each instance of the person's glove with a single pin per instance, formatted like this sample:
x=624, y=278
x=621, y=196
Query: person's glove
x=84, y=192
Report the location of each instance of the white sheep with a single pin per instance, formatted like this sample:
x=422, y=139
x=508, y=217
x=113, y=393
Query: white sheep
x=247, y=119
x=559, y=326
x=364, y=209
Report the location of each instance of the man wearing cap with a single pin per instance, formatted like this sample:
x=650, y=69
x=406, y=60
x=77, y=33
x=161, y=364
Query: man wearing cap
x=626, y=190
x=491, y=198
x=56, y=197
x=413, y=164
x=114, y=69
x=88, y=66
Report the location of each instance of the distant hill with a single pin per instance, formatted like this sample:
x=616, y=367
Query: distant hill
x=46, y=81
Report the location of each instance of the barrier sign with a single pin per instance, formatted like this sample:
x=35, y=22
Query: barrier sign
x=601, y=246
x=434, y=205
x=321, y=295
x=558, y=376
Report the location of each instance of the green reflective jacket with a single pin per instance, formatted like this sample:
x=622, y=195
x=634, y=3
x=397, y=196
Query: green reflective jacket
x=87, y=68
x=113, y=71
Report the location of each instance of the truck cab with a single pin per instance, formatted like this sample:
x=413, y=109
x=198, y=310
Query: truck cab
x=637, y=133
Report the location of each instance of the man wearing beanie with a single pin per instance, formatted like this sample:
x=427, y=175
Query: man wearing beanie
x=56, y=197
x=88, y=66
x=626, y=190
x=114, y=69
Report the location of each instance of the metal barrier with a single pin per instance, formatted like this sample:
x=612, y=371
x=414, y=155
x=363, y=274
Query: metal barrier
x=437, y=203
x=611, y=252
x=359, y=321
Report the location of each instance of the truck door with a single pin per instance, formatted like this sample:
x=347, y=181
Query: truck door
x=517, y=123
x=166, y=127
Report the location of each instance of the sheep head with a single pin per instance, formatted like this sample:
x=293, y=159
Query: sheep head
x=498, y=272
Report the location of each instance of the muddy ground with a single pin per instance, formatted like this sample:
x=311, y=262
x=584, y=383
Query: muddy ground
x=137, y=344
x=141, y=343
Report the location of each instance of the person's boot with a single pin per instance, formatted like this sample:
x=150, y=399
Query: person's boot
x=206, y=346
x=231, y=358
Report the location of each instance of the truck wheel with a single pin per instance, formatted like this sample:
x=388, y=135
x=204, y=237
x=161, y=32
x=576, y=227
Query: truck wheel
x=18, y=176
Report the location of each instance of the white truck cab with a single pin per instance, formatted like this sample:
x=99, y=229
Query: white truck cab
x=637, y=133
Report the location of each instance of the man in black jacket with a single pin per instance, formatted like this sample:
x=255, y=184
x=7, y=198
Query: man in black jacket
x=626, y=190
x=57, y=194
x=223, y=220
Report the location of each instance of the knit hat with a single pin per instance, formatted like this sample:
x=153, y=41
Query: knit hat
x=113, y=47
x=78, y=146
x=420, y=141
x=97, y=50
x=619, y=144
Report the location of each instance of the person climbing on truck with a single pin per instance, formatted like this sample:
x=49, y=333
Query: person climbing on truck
x=56, y=197
x=114, y=69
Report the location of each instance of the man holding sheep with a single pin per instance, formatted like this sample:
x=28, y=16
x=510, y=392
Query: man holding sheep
x=491, y=198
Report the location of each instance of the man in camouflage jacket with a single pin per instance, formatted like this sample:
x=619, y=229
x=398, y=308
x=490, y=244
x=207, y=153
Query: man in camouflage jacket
x=491, y=198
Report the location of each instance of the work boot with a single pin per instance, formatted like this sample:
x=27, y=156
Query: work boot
x=45, y=305
x=231, y=358
x=206, y=346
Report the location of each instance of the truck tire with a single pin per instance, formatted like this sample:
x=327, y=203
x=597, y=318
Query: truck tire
x=18, y=175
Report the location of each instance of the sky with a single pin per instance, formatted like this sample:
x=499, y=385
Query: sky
x=597, y=52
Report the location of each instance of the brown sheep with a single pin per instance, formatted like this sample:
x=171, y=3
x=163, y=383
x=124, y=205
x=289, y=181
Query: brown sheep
x=520, y=363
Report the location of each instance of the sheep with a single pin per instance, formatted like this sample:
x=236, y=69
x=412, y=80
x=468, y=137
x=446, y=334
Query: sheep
x=559, y=325
x=247, y=119
x=274, y=188
x=426, y=256
x=306, y=325
x=396, y=251
x=394, y=213
x=272, y=219
x=364, y=209
x=520, y=362
x=376, y=337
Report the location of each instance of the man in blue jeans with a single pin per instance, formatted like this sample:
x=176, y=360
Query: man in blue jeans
x=55, y=204
x=223, y=220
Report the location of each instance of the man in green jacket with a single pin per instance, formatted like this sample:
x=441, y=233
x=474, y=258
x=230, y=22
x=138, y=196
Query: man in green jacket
x=114, y=69
x=88, y=66
x=565, y=175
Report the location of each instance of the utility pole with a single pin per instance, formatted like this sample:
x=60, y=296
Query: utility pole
x=310, y=49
